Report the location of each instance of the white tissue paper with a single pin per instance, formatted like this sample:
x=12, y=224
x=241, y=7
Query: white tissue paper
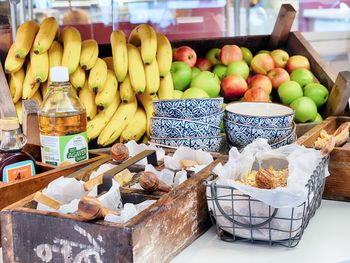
x=112, y=199
x=135, y=148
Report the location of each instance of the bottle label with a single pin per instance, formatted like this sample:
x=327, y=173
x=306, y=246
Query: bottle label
x=16, y=171
x=59, y=150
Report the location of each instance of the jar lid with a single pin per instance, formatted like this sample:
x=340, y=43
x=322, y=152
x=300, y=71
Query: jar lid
x=59, y=74
x=9, y=123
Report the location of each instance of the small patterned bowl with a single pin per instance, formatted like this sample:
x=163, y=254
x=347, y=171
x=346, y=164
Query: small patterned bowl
x=260, y=114
x=187, y=108
x=214, y=119
x=162, y=127
x=285, y=141
x=209, y=144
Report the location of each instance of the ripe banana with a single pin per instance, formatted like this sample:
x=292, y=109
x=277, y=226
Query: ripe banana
x=46, y=35
x=71, y=48
x=166, y=88
x=136, y=128
x=89, y=54
x=152, y=77
x=19, y=111
x=136, y=69
x=146, y=101
x=109, y=62
x=144, y=35
x=30, y=86
x=120, y=54
x=87, y=98
x=96, y=125
x=16, y=85
x=12, y=63
x=37, y=97
x=108, y=92
x=40, y=66
x=164, y=54
x=123, y=115
x=44, y=89
x=98, y=75
x=126, y=92
x=77, y=79
x=55, y=54
x=24, y=38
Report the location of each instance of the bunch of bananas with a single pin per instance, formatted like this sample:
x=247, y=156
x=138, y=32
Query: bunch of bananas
x=116, y=91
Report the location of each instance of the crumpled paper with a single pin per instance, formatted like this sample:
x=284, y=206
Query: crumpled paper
x=135, y=148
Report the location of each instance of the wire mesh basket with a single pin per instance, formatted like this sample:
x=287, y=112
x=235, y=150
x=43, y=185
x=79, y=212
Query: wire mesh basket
x=240, y=217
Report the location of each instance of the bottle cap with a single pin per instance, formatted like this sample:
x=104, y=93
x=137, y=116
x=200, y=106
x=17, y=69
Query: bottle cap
x=9, y=124
x=59, y=74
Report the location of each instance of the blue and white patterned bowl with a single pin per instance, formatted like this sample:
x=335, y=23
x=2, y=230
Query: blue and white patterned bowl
x=260, y=114
x=241, y=135
x=214, y=119
x=163, y=127
x=209, y=144
x=187, y=108
x=285, y=141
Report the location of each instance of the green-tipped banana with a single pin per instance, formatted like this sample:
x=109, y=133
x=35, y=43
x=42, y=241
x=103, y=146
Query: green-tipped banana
x=45, y=36
x=40, y=66
x=12, y=63
x=24, y=38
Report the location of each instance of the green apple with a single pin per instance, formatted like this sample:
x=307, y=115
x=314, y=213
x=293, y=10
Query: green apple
x=318, y=118
x=247, y=55
x=263, y=52
x=222, y=127
x=302, y=76
x=207, y=81
x=195, y=72
x=317, y=92
x=238, y=68
x=305, y=109
x=220, y=70
x=194, y=93
x=289, y=91
x=177, y=94
x=182, y=75
x=213, y=56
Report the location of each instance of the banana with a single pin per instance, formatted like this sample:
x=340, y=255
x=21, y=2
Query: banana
x=37, y=97
x=71, y=48
x=109, y=91
x=144, y=35
x=44, y=89
x=30, y=86
x=12, y=63
x=96, y=125
x=164, y=54
x=16, y=85
x=89, y=54
x=98, y=75
x=119, y=54
x=126, y=92
x=45, y=36
x=40, y=66
x=77, y=79
x=87, y=98
x=136, y=69
x=123, y=115
x=136, y=128
x=19, y=111
x=166, y=88
x=152, y=77
x=146, y=101
x=55, y=54
x=24, y=38
x=109, y=62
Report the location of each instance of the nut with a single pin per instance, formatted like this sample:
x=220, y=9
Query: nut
x=119, y=152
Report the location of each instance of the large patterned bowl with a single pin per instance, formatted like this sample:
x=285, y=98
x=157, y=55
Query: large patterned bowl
x=260, y=114
x=162, y=127
x=209, y=144
x=214, y=119
x=187, y=108
x=285, y=141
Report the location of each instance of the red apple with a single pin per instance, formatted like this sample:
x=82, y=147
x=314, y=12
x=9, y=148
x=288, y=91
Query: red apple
x=233, y=87
x=296, y=62
x=280, y=57
x=262, y=63
x=249, y=79
x=185, y=54
x=261, y=81
x=278, y=76
x=256, y=95
x=203, y=64
x=230, y=53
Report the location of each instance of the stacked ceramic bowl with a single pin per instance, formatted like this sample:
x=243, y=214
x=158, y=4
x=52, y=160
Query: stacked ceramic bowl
x=193, y=123
x=246, y=121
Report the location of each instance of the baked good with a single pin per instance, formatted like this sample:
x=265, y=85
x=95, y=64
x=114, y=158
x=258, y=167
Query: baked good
x=266, y=178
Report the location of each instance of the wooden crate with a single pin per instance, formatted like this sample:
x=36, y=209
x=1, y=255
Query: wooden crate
x=338, y=183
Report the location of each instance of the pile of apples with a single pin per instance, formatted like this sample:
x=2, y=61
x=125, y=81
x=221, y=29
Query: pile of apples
x=234, y=73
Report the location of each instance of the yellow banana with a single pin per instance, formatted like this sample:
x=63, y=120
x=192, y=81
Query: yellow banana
x=152, y=77
x=30, y=86
x=96, y=125
x=89, y=54
x=71, y=48
x=164, y=54
x=12, y=63
x=109, y=62
x=37, y=97
x=16, y=85
x=98, y=75
x=123, y=115
x=77, y=79
x=55, y=54
x=136, y=128
x=40, y=66
x=166, y=88
x=136, y=69
x=146, y=101
x=24, y=38
x=46, y=35
x=108, y=92
x=44, y=89
x=87, y=98
x=119, y=54
x=19, y=111
x=144, y=35
x=126, y=92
